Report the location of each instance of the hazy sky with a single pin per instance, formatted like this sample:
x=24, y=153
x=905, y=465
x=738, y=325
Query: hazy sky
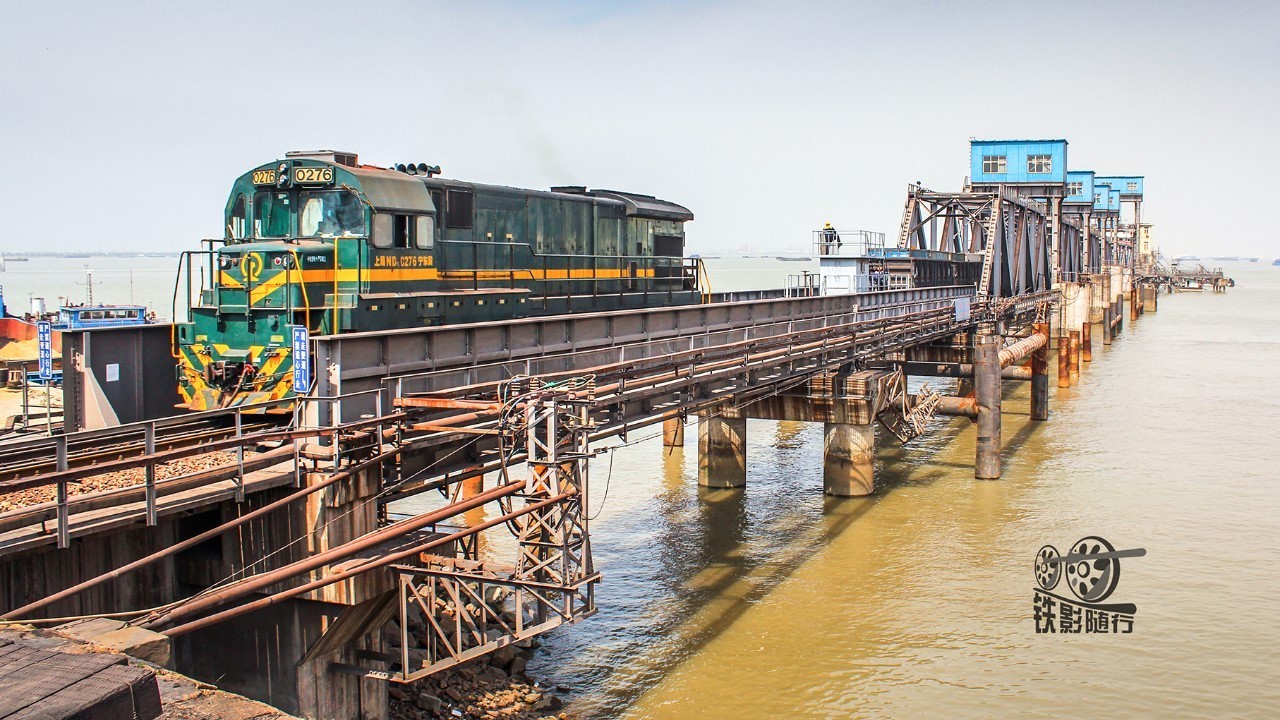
x=123, y=124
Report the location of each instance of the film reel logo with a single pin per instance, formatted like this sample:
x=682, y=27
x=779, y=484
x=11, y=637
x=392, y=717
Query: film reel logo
x=1091, y=570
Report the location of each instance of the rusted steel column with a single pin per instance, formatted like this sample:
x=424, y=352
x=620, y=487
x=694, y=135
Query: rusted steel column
x=1040, y=377
x=1106, y=324
x=722, y=452
x=1086, y=342
x=673, y=432
x=1133, y=304
x=472, y=487
x=986, y=378
x=1155, y=298
x=849, y=459
x=1064, y=377
x=1073, y=354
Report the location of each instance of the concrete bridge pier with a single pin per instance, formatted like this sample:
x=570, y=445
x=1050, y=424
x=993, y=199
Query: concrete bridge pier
x=1150, y=298
x=722, y=451
x=986, y=377
x=848, y=459
x=1097, y=297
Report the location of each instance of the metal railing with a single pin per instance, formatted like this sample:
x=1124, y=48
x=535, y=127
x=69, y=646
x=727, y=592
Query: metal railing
x=847, y=243
x=239, y=438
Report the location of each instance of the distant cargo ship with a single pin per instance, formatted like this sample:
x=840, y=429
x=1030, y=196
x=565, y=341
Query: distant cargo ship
x=794, y=259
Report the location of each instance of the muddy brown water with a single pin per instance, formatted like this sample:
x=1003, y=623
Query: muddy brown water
x=775, y=601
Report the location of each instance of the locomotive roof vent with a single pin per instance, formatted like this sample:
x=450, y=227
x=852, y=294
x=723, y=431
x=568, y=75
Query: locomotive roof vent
x=338, y=157
x=571, y=189
x=418, y=169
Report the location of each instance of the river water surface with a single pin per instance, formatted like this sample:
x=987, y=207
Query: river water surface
x=775, y=601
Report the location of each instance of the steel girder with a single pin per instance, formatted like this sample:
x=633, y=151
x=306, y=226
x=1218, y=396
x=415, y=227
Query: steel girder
x=1011, y=233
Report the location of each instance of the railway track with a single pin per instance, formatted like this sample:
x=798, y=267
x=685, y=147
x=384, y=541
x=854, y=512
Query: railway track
x=39, y=456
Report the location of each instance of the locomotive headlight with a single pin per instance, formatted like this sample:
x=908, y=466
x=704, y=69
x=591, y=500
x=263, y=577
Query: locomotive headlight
x=282, y=174
x=224, y=262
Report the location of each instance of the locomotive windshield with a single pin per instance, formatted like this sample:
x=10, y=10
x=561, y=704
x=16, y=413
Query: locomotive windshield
x=330, y=213
x=271, y=213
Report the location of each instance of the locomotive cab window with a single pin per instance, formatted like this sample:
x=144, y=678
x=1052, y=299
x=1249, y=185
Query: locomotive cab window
x=238, y=220
x=425, y=231
x=401, y=230
x=381, y=230
x=330, y=213
x=271, y=210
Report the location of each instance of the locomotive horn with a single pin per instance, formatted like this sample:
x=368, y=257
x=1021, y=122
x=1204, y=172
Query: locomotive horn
x=433, y=170
x=411, y=169
x=424, y=170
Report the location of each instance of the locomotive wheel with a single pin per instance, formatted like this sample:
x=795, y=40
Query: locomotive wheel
x=1048, y=573
x=1093, y=580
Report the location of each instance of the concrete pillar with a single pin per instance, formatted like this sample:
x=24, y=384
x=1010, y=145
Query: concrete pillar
x=986, y=378
x=1040, y=378
x=722, y=452
x=1086, y=342
x=673, y=432
x=848, y=460
x=1073, y=354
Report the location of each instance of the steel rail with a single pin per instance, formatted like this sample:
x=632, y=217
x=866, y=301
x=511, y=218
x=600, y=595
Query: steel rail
x=37, y=460
x=200, y=449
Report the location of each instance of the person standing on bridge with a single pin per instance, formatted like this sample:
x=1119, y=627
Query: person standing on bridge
x=830, y=238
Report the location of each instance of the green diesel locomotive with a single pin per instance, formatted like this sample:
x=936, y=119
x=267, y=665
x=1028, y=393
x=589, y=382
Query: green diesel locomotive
x=319, y=240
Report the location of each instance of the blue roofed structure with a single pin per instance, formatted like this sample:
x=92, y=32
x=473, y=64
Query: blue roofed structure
x=1101, y=195
x=1039, y=165
x=1079, y=187
x=1130, y=186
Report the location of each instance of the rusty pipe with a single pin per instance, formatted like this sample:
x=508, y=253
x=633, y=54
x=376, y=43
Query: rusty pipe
x=360, y=569
x=1022, y=348
x=342, y=552
x=958, y=406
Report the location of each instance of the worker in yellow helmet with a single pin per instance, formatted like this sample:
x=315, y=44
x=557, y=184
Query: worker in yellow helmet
x=830, y=238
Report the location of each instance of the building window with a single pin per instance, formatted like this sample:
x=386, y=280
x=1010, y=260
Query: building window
x=1075, y=188
x=993, y=164
x=1039, y=164
x=1132, y=187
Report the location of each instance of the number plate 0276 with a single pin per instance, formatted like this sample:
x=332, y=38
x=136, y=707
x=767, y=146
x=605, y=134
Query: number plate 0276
x=313, y=175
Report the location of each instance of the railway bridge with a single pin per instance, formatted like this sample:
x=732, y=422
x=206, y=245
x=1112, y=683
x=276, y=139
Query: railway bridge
x=256, y=549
